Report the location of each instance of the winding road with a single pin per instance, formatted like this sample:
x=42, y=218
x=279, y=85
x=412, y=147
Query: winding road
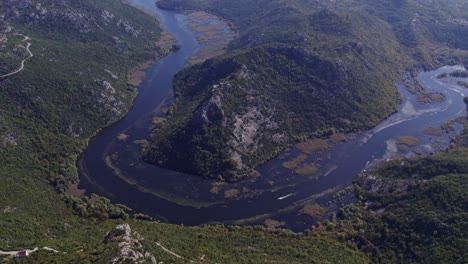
x=22, y=62
x=13, y=253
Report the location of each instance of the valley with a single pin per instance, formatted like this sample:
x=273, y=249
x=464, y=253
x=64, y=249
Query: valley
x=120, y=169
x=233, y=132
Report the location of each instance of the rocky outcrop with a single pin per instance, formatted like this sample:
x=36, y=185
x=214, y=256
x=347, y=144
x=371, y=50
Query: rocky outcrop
x=7, y=136
x=210, y=111
x=250, y=124
x=8, y=139
x=130, y=246
x=107, y=98
x=44, y=12
x=128, y=28
x=106, y=102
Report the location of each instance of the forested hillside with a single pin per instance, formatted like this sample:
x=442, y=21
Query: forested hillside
x=331, y=72
x=74, y=85
x=298, y=69
x=412, y=211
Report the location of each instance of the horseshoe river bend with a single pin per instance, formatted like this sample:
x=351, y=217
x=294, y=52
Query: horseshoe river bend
x=112, y=166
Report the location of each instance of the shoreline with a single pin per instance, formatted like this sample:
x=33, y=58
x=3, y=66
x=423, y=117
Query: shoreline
x=134, y=77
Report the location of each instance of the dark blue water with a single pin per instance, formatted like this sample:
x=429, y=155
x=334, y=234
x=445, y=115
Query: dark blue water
x=181, y=198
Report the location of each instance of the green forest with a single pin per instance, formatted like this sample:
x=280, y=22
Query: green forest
x=328, y=69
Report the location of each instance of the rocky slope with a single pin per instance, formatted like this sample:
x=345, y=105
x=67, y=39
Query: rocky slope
x=75, y=83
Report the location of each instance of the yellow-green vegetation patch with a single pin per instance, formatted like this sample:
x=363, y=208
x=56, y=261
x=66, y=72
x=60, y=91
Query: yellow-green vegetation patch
x=313, y=145
x=231, y=193
x=271, y=223
x=307, y=169
x=216, y=187
x=166, y=40
x=158, y=120
x=432, y=131
x=141, y=142
x=461, y=120
x=122, y=137
x=255, y=174
x=212, y=33
x=419, y=152
x=338, y=137
x=313, y=210
x=136, y=78
x=427, y=97
x=448, y=126
x=409, y=141
x=73, y=190
x=291, y=164
x=463, y=84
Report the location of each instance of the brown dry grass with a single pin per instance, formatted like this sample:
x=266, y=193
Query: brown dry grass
x=338, y=137
x=313, y=210
x=232, y=193
x=74, y=191
x=166, y=40
x=122, y=137
x=292, y=164
x=307, y=169
x=408, y=141
x=312, y=146
x=136, y=78
x=431, y=131
x=270, y=223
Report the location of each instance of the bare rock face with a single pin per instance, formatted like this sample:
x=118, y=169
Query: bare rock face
x=253, y=122
x=41, y=12
x=79, y=21
x=3, y=38
x=107, y=98
x=128, y=28
x=107, y=16
x=8, y=139
x=131, y=249
x=7, y=136
x=210, y=111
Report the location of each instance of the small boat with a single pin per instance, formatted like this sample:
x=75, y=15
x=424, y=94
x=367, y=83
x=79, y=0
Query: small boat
x=286, y=196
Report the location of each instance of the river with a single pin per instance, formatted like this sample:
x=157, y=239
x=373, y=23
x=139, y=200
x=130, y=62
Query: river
x=113, y=168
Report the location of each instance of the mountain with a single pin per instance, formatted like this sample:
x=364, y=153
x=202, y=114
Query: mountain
x=298, y=70
x=76, y=83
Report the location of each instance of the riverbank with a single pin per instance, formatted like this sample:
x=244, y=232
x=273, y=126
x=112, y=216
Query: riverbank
x=311, y=168
x=213, y=33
